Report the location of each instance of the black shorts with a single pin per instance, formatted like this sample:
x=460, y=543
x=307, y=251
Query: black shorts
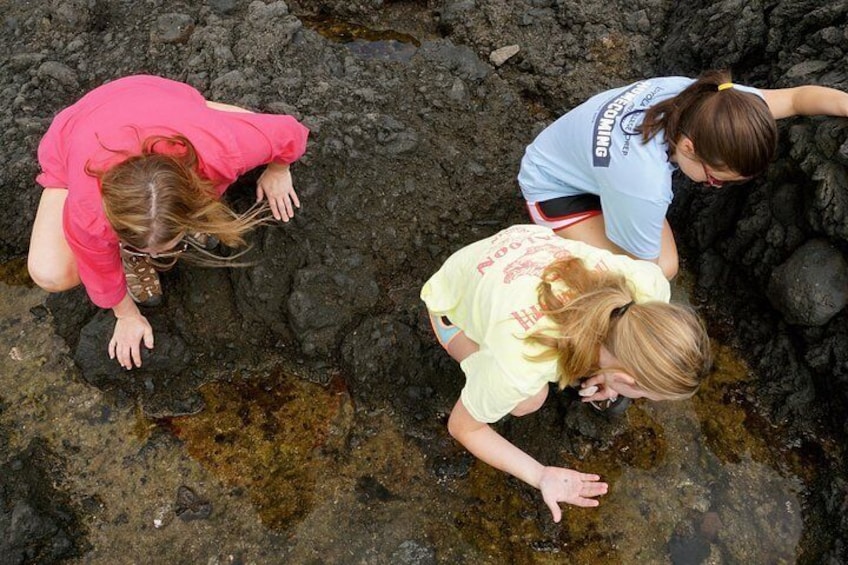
x=563, y=212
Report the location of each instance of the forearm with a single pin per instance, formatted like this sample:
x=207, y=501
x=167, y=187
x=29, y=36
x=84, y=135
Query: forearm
x=492, y=448
x=807, y=100
x=126, y=308
x=819, y=100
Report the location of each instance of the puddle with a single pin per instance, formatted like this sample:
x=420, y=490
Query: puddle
x=272, y=437
x=691, y=482
x=364, y=42
x=290, y=468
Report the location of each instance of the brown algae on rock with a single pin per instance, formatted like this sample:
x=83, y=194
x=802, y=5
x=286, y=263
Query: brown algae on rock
x=14, y=273
x=270, y=436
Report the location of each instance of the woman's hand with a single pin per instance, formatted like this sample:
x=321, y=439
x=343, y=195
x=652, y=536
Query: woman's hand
x=595, y=389
x=566, y=485
x=126, y=340
x=276, y=184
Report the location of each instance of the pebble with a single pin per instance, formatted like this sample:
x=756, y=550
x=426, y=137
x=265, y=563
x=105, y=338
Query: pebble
x=500, y=56
x=173, y=28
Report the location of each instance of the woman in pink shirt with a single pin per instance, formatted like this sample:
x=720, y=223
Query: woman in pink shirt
x=132, y=176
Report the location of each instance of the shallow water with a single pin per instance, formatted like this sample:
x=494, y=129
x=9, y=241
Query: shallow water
x=294, y=472
x=365, y=42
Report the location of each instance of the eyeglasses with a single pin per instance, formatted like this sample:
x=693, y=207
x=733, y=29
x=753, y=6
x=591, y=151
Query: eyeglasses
x=710, y=180
x=180, y=248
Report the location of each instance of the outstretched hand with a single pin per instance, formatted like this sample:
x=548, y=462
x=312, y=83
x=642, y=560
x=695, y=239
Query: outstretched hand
x=566, y=485
x=125, y=344
x=275, y=183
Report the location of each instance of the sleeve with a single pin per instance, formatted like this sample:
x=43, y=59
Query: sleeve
x=750, y=90
x=634, y=224
x=98, y=262
x=488, y=395
x=52, y=155
x=266, y=138
x=646, y=279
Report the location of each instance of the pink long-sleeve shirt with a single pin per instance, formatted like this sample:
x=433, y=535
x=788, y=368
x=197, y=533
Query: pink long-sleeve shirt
x=113, y=120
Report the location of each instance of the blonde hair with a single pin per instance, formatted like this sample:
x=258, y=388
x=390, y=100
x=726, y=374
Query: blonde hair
x=664, y=347
x=152, y=198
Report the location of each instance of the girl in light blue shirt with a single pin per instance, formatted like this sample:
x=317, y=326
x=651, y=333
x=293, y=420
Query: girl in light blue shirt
x=602, y=172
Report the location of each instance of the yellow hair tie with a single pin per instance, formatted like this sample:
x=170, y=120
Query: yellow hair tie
x=725, y=86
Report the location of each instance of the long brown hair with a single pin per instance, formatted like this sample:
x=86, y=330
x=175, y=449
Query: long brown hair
x=664, y=347
x=152, y=198
x=730, y=129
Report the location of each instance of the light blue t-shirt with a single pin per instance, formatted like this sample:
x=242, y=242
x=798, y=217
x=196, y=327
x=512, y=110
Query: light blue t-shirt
x=596, y=149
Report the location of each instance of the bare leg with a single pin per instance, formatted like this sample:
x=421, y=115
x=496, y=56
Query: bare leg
x=592, y=231
x=51, y=262
x=461, y=346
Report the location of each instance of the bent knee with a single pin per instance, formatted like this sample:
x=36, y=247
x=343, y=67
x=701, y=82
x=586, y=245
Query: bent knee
x=51, y=278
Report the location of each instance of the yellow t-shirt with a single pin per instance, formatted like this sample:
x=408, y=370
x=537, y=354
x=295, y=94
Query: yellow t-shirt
x=489, y=290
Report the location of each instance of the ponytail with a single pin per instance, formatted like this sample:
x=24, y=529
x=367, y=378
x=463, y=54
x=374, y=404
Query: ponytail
x=664, y=347
x=731, y=130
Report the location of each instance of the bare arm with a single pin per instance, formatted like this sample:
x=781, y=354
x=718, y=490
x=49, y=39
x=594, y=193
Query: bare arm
x=806, y=101
x=275, y=183
x=226, y=107
x=556, y=483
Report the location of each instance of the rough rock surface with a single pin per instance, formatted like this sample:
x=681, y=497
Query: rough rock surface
x=811, y=287
x=413, y=153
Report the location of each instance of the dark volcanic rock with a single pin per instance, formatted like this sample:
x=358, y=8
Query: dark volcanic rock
x=380, y=349
x=325, y=299
x=169, y=354
x=37, y=522
x=811, y=287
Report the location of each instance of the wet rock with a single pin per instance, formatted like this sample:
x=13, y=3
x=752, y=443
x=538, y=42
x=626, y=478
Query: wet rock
x=170, y=354
x=811, y=287
x=369, y=489
x=688, y=550
x=262, y=289
x=453, y=466
x=803, y=70
x=189, y=506
x=37, y=522
x=172, y=28
x=71, y=310
x=411, y=552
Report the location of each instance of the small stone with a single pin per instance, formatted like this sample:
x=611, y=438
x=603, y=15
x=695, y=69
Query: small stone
x=59, y=72
x=500, y=56
x=173, y=28
x=190, y=506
